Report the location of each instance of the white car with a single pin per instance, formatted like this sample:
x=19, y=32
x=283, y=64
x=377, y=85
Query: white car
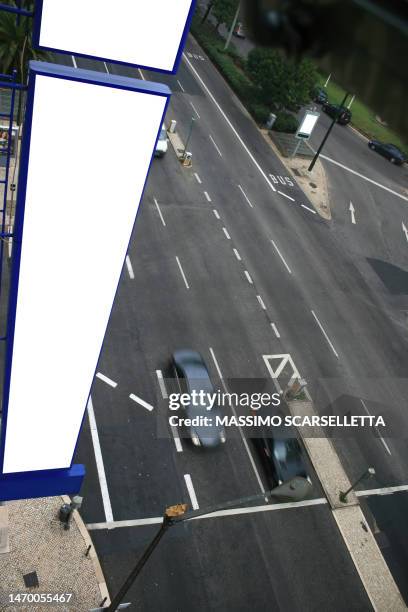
x=162, y=143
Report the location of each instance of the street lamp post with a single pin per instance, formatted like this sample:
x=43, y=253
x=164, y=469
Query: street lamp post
x=343, y=495
x=189, y=136
x=314, y=160
x=232, y=27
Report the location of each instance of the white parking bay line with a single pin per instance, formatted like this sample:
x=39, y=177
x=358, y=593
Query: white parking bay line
x=164, y=394
x=216, y=146
x=107, y=380
x=139, y=400
x=286, y=196
x=387, y=448
x=245, y=195
x=275, y=329
x=281, y=256
x=207, y=196
x=191, y=492
x=182, y=273
x=195, y=110
x=324, y=334
x=160, y=212
x=99, y=462
x=129, y=267
x=228, y=237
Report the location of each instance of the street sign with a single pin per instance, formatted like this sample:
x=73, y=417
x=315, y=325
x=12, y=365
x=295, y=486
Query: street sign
x=307, y=125
x=150, y=35
x=77, y=200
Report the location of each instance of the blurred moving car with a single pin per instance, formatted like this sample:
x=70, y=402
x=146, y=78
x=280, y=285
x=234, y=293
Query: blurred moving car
x=239, y=30
x=342, y=113
x=389, y=151
x=192, y=375
x=282, y=455
x=162, y=143
x=319, y=95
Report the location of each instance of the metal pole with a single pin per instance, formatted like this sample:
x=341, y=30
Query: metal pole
x=296, y=148
x=343, y=495
x=189, y=135
x=232, y=27
x=351, y=101
x=314, y=160
x=327, y=81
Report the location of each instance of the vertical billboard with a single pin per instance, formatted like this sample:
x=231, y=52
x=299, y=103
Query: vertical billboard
x=87, y=146
x=146, y=34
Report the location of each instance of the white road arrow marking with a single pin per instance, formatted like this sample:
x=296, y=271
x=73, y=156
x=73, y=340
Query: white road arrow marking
x=404, y=229
x=352, y=211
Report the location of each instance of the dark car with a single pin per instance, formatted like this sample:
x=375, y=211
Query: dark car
x=342, y=113
x=319, y=95
x=192, y=375
x=282, y=455
x=389, y=151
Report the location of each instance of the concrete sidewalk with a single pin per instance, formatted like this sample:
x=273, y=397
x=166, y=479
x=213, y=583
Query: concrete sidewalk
x=37, y=542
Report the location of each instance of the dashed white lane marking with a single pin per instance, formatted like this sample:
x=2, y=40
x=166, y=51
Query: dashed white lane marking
x=281, y=256
x=181, y=87
x=228, y=122
x=226, y=233
x=182, y=273
x=160, y=212
x=332, y=161
x=215, y=145
x=207, y=196
x=139, y=400
x=106, y=67
x=216, y=213
x=74, y=61
x=245, y=196
x=195, y=110
x=286, y=196
x=243, y=438
x=275, y=329
x=107, y=380
x=191, y=492
x=261, y=302
x=309, y=209
x=249, y=279
x=129, y=267
x=387, y=448
x=141, y=74
x=164, y=394
x=237, y=255
x=197, y=178
x=324, y=334
x=107, y=507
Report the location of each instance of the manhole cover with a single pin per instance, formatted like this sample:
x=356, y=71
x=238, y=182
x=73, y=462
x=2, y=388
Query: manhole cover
x=313, y=185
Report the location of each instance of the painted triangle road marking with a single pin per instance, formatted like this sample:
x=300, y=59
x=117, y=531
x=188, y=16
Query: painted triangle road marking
x=279, y=363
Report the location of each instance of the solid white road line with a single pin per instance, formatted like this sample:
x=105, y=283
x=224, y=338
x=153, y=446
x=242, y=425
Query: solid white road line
x=141, y=74
x=74, y=61
x=182, y=273
x=286, y=196
x=198, y=178
x=138, y=400
x=260, y=300
x=324, y=334
x=249, y=279
x=207, y=196
x=237, y=255
x=195, y=110
x=107, y=380
x=332, y=161
x=382, y=491
x=99, y=463
x=191, y=492
x=226, y=233
x=228, y=122
x=181, y=87
x=160, y=212
x=215, y=145
x=281, y=256
x=309, y=209
x=162, y=386
x=245, y=196
x=129, y=267
x=387, y=448
x=216, y=213
x=243, y=438
x=275, y=329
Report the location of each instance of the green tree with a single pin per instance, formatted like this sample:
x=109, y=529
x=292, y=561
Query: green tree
x=224, y=11
x=284, y=84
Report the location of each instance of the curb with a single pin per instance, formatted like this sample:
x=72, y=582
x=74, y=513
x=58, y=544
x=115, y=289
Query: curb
x=92, y=552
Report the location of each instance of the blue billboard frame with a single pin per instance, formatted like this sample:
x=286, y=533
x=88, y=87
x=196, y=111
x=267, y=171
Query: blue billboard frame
x=43, y=483
x=37, y=32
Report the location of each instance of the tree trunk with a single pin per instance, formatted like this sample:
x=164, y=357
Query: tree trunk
x=208, y=11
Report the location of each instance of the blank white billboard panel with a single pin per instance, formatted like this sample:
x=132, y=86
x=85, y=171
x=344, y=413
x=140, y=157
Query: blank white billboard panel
x=149, y=34
x=89, y=153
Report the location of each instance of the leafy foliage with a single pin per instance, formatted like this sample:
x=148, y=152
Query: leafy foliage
x=224, y=11
x=285, y=122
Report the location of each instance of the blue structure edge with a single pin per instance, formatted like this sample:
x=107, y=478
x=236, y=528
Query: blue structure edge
x=46, y=483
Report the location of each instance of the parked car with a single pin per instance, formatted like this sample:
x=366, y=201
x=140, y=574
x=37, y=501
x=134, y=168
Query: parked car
x=282, y=455
x=342, y=113
x=319, y=95
x=389, y=151
x=239, y=30
x=192, y=375
x=162, y=143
